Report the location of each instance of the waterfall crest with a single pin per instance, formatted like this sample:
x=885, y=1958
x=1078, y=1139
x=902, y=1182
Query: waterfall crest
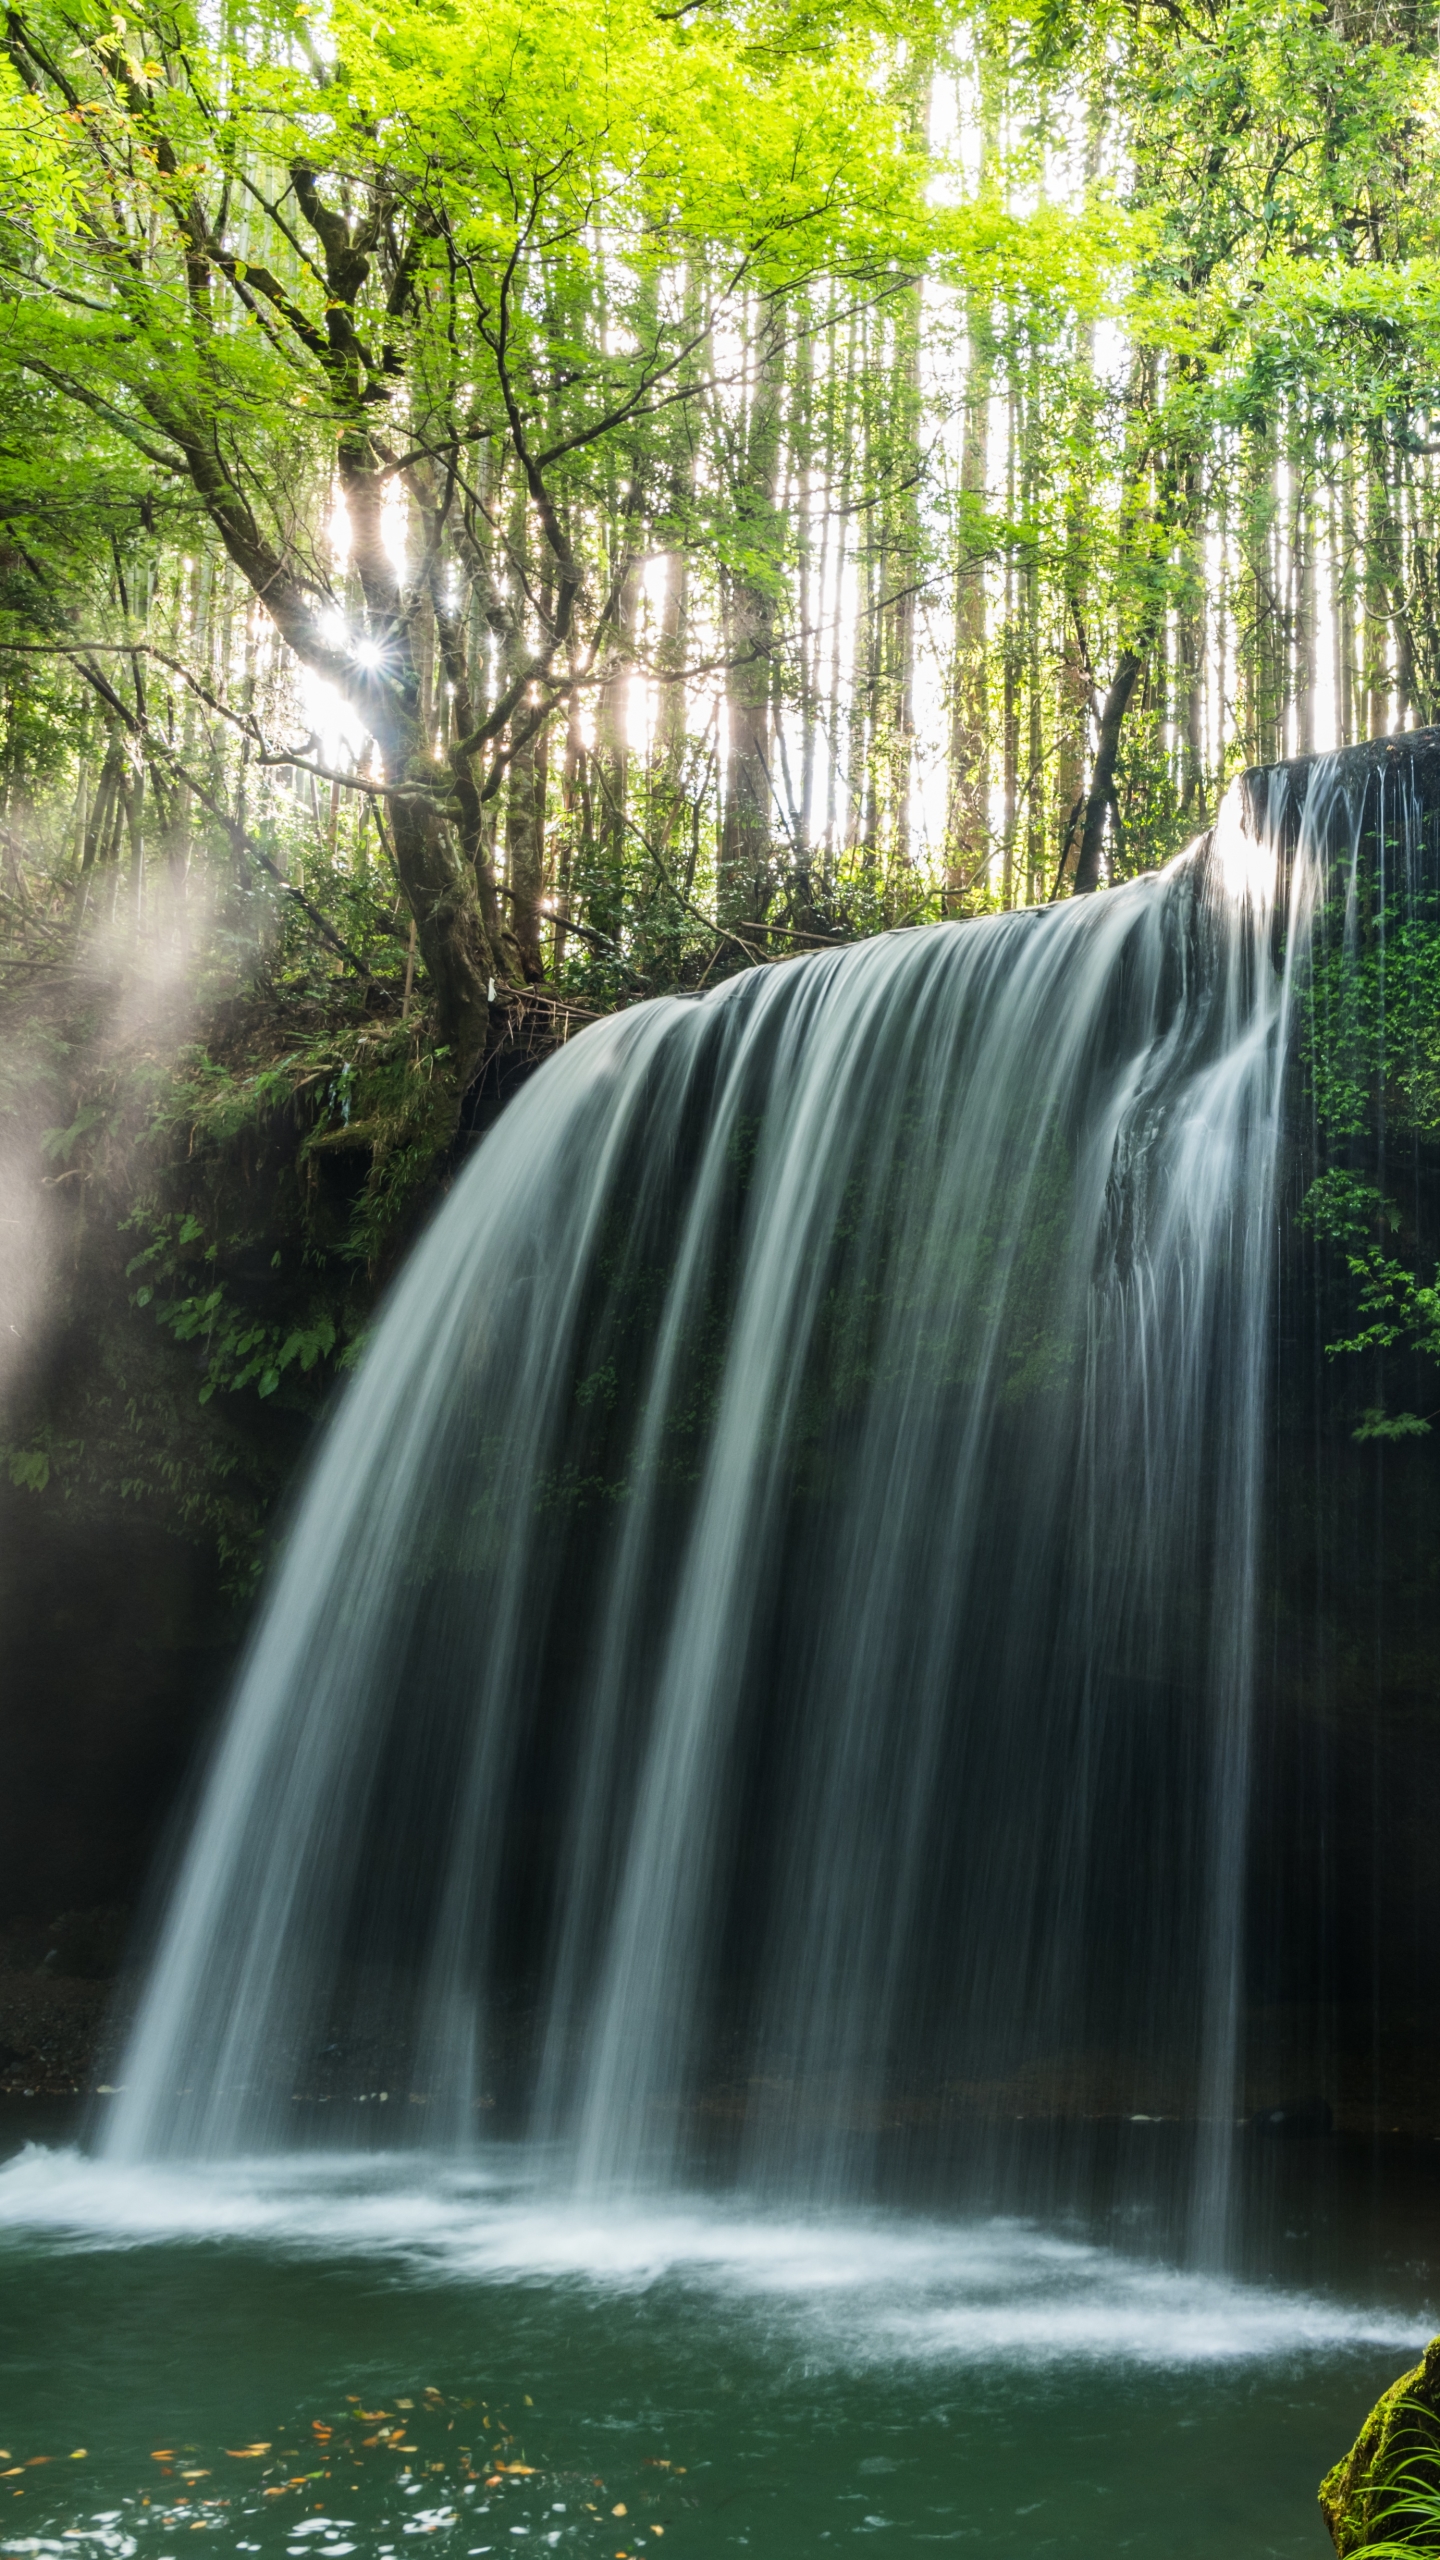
x=765, y=1654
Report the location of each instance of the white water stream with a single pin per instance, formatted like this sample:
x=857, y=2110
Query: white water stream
x=764, y=1657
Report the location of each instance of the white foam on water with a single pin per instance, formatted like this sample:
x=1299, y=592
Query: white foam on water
x=880, y=2287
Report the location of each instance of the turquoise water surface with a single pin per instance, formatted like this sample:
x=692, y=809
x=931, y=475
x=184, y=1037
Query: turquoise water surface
x=350, y=2353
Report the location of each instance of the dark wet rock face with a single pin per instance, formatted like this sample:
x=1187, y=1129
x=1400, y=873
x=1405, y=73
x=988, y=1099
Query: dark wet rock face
x=64, y=2001
x=1297, y=2120
x=1386, y=2492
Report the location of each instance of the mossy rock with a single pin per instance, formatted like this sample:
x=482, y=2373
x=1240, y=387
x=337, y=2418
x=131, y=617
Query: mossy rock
x=1386, y=2491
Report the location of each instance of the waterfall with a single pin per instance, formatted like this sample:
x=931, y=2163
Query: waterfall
x=764, y=1657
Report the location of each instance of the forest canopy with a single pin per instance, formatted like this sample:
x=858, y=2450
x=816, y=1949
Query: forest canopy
x=506, y=510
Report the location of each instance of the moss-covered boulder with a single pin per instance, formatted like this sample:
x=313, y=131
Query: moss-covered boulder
x=1386, y=2491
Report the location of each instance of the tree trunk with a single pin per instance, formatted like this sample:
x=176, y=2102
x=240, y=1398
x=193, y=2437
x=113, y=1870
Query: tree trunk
x=525, y=785
x=968, y=828
x=745, y=834
x=1102, y=780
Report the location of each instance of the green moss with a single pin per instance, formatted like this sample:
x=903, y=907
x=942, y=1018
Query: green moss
x=1384, y=2496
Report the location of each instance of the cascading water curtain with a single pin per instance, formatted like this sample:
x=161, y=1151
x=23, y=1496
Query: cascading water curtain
x=764, y=1657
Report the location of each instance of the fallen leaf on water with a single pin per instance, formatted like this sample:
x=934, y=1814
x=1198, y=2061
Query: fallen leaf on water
x=13, y=2472
x=517, y=2470
x=370, y=2416
x=79, y=2454
x=164, y=2455
x=621, y=2510
x=237, y=2452
x=37, y=2457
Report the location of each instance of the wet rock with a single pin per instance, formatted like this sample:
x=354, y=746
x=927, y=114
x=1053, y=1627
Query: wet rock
x=1296, y=2120
x=1387, y=2489
x=88, y=1945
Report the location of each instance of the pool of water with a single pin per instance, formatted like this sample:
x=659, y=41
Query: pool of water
x=354, y=2353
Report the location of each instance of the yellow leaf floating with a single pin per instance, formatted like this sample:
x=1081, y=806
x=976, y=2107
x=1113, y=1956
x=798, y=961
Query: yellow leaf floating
x=621, y=2510
x=237, y=2452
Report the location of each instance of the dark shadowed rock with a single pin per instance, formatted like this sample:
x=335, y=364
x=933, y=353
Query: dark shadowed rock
x=1297, y=2119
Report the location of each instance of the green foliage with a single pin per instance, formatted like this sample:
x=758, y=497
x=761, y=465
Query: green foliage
x=1382, y=2502
x=1373, y=1025
x=1341, y=1208
x=1371, y=1054
x=670, y=353
x=1398, y=1306
x=240, y=1351
x=1376, y=1424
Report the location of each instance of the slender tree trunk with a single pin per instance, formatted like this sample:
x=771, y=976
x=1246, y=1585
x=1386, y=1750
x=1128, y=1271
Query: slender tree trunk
x=1010, y=735
x=1307, y=635
x=1190, y=646
x=902, y=458
x=968, y=827
x=746, y=830
x=1342, y=553
x=1102, y=780
x=1379, y=676
x=1034, y=692
x=1076, y=682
